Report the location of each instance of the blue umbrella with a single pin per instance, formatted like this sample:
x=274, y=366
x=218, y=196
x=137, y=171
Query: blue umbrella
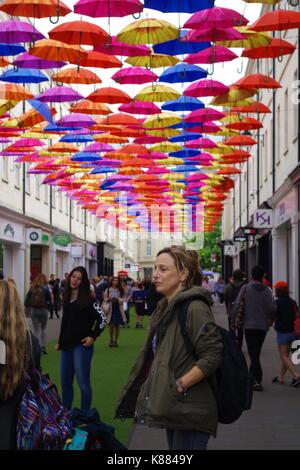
x=177, y=47
x=11, y=49
x=184, y=103
x=184, y=125
x=184, y=136
x=85, y=157
x=43, y=109
x=182, y=72
x=97, y=171
x=55, y=128
x=23, y=76
x=182, y=6
x=184, y=168
x=184, y=152
x=76, y=138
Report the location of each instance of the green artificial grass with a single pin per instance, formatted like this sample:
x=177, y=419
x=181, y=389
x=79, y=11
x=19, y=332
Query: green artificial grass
x=110, y=369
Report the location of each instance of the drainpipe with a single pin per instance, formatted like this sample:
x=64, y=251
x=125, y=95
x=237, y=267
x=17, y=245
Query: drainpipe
x=298, y=99
x=274, y=128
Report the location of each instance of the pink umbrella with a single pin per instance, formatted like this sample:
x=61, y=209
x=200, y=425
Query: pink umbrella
x=28, y=142
x=59, y=94
x=115, y=47
x=76, y=120
x=13, y=31
x=212, y=34
x=203, y=115
x=209, y=127
x=206, y=88
x=211, y=55
x=158, y=170
x=149, y=139
x=201, y=143
x=98, y=147
x=134, y=76
x=139, y=107
x=216, y=17
x=108, y=8
x=196, y=177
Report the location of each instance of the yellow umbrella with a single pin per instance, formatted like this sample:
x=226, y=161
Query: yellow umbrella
x=148, y=31
x=173, y=176
x=222, y=149
x=165, y=147
x=161, y=120
x=6, y=105
x=171, y=161
x=251, y=39
x=266, y=2
x=164, y=132
x=158, y=93
x=153, y=61
x=226, y=132
x=233, y=96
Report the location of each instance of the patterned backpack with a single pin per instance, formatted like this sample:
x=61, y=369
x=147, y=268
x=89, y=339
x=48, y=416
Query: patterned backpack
x=43, y=422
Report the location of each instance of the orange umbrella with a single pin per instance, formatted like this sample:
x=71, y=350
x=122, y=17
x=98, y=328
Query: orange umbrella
x=56, y=50
x=257, y=80
x=109, y=95
x=120, y=119
x=106, y=127
x=35, y=8
x=4, y=62
x=230, y=170
x=14, y=92
x=63, y=147
x=129, y=132
x=276, y=48
x=32, y=117
x=254, y=107
x=111, y=139
x=88, y=107
x=240, y=141
x=245, y=124
x=79, y=32
x=100, y=60
x=277, y=20
x=76, y=75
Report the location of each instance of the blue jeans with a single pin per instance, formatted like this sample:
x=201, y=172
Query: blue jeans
x=187, y=440
x=76, y=361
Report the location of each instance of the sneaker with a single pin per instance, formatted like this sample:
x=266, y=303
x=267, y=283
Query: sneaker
x=137, y=325
x=295, y=382
x=44, y=351
x=257, y=387
x=277, y=381
x=111, y=344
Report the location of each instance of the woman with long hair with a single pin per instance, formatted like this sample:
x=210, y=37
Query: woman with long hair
x=82, y=322
x=39, y=299
x=168, y=386
x=115, y=295
x=15, y=359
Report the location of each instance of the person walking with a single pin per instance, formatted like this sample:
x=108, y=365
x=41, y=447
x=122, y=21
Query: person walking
x=168, y=388
x=139, y=297
x=254, y=311
x=39, y=299
x=82, y=322
x=114, y=295
x=152, y=298
x=285, y=316
x=220, y=287
x=231, y=293
x=20, y=352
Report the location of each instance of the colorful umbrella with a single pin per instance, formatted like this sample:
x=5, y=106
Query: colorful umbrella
x=277, y=20
x=153, y=61
x=11, y=49
x=100, y=60
x=108, y=8
x=183, y=103
x=23, y=76
x=240, y=141
x=134, y=75
x=182, y=73
x=139, y=107
x=88, y=107
x=211, y=55
x=202, y=143
x=182, y=6
x=254, y=107
x=176, y=46
x=206, y=88
x=12, y=92
x=35, y=9
x=109, y=95
x=4, y=62
x=42, y=109
x=76, y=120
x=245, y=124
x=13, y=31
x=276, y=48
x=213, y=34
x=257, y=80
x=217, y=17
x=115, y=47
x=161, y=120
x=59, y=94
x=250, y=39
x=79, y=32
x=59, y=51
x=204, y=115
x=157, y=93
x=148, y=31
x=27, y=61
x=233, y=96
x=76, y=75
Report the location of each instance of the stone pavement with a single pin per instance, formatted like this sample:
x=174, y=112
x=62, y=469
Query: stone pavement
x=272, y=423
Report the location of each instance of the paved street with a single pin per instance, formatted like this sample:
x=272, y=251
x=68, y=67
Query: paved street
x=272, y=423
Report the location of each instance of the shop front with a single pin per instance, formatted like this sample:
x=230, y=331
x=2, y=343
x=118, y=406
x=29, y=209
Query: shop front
x=91, y=260
x=12, y=252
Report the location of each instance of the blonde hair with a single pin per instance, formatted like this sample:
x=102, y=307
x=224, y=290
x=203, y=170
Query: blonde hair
x=185, y=259
x=15, y=333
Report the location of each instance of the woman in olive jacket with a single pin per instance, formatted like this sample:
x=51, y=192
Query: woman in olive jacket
x=168, y=387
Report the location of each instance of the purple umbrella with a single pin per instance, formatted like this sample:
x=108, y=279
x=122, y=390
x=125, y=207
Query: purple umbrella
x=13, y=31
x=76, y=120
x=59, y=94
x=27, y=61
x=4, y=140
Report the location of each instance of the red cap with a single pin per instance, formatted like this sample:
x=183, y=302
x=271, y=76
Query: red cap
x=281, y=285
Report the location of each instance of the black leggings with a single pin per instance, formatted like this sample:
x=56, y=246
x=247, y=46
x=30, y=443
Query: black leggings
x=254, y=340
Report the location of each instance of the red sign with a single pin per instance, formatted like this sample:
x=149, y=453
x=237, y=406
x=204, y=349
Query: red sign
x=122, y=273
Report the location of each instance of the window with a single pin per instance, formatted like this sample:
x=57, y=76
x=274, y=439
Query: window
x=67, y=205
x=5, y=169
x=82, y=216
x=149, y=248
x=27, y=179
x=37, y=186
x=53, y=196
x=278, y=128
x=60, y=201
x=286, y=122
x=295, y=108
x=46, y=194
x=266, y=157
x=17, y=171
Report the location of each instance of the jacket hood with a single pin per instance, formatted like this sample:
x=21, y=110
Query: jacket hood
x=258, y=286
x=182, y=296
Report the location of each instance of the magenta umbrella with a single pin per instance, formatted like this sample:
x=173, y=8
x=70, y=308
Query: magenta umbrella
x=204, y=115
x=216, y=17
x=13, y=31
x=201, y=143
x=211, y=55
x=76, y=120
x=115, y=47
x=206, y=88
x=98, y=147
x=28, y=142
x=4, y=140
x=27, y=61
x=139, y=107
x=108, y=8
x=59, y=94
x=209, y=127
x=134, y=76
x=213, y=34
x=149, y=139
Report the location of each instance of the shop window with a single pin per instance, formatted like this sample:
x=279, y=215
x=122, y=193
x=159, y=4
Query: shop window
x=5, y=169
x=149, y=248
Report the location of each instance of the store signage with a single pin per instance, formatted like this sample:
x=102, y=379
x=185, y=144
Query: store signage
x=62, y=239
x=263, y=218
x=241, y=239
x=231, y=250
x=76, y=250
x=34, y=236
x=250, y=231
x=11, y=231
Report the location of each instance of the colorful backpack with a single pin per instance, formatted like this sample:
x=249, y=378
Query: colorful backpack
x=38, y=297
x=43, y=422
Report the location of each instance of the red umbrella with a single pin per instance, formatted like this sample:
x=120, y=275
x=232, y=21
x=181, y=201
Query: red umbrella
x=79, y=32
x=76, y=75
x=240, y=141
x=35, y=9
x=257, y=80
x=245, y=124
x=254, y=107
x=277, y=20
x=100, y=60
x=109, y=95
x=276, y=48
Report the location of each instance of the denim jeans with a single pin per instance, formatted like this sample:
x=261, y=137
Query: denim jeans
x=187, y=440
x=76, y=361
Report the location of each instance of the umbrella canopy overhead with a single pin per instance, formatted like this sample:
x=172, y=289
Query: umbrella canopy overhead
x=28, y=61
x=79, y=32
x=276, y=48
x=177, y=46
x=148, y=31
x=13, y=31
x=182, y=72
x=217, y=17
x=158, y=93
x=107, y=9
x=34, y=9
x=109, y=95
x=211, y=55
x=153, y=61
x=173, y=6
x=59, y=94
x=76, y=75
x=115, y=47
x=277, y=20
x=134, y=75
x=23, y=76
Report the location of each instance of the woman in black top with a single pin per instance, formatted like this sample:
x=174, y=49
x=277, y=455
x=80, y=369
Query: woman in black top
x=82, y=321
